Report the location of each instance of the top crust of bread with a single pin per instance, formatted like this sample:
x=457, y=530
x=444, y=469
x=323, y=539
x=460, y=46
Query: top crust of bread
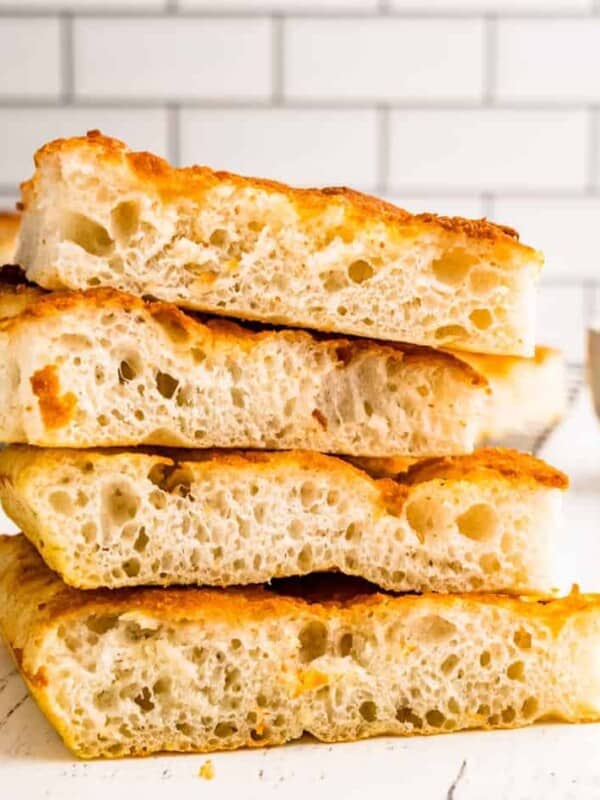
x=512, y=465
x=194, y=181
x=40, y=599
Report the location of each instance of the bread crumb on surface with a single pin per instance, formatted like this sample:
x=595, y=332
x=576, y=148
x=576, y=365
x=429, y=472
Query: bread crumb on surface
x=207, y=771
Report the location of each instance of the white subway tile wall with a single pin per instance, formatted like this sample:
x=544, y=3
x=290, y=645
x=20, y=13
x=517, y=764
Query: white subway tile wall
x=472, y=107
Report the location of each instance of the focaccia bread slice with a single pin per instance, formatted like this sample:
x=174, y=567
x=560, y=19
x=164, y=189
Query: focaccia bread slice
x=97, y=214
x=485, y=521
x=528, y=394
x=103, y=368
x=145, y=670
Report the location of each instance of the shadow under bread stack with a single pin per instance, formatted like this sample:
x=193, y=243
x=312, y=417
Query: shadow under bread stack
x=155, y=601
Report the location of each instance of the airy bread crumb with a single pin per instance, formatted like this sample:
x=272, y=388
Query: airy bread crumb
x=147, y=670
x=485, y=521
x=97, y=214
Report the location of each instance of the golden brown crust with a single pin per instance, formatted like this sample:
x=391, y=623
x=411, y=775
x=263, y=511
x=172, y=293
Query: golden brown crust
x=185, y=328
x=483, y=465
x=45, y=600
x=494, y=366
x=510, y=464
x=359, y=208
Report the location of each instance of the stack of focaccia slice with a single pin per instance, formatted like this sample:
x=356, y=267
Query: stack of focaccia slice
x=291, y=484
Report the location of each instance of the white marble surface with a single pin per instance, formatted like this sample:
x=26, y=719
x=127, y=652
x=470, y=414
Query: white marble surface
x=546, y=761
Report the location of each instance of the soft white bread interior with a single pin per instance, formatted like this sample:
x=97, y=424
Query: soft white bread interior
x=144, y=670
x=9, y=230
x=528, y=394
x=102, y=368
x=331, y=259
x=485, y=521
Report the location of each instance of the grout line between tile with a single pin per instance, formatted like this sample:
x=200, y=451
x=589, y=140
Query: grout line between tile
x=490, y=59
x=277, y=66
x=383, y=154
x=174, y=134
x=67, y=58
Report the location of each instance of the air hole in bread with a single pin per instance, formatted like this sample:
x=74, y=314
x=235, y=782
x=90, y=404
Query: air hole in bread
x=61, y=502
x=452, y=267
x=435, y=718
x=522, y=639
x=125, y=219
x=479, y=522
x=485, y=658
x=237, y=398
x=313, y=641
x=489, y=563
x=516, y=671
x=508, y=714
x=405, y=714
x=166, y=384
x=453, y=706
x=345, y=644
x=352, y=532
x=219, y=237
x=449, y=664
x=368, y=711
x=127, y=372
x=342, y=311
x=141, y=541
x=86, y=233
x=419, y=518
x=451, y=333
x=434, y=628
x=529, y=708
x=481, y=318
x=360, y=271
x=143, y=700
x=120, y=504
x=334, y=280
x=398, y=576
x=308, y=494
x=305, y=558
x=89, y=532
x=131, y=567
x=102, y=623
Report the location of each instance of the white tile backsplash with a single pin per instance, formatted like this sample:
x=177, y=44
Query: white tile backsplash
x=565, y=229
x=288, y=6
x=561, y=320
x=488, y=150
x=471, y=207
x=30, y=58
x=171, y=58
x=24, y=130
x=461, y=107
x=287, y=145
x=383, y=59
x=500, y=6
x=556, y=60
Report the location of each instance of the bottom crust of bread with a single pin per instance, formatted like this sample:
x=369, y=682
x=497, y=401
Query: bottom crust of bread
x=147, y=670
